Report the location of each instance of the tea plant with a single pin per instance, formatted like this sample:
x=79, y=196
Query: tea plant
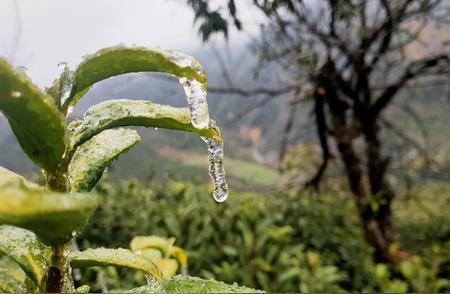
x=37, y=223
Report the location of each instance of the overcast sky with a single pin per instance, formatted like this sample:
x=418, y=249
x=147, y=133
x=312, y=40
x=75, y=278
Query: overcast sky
x=38, y=34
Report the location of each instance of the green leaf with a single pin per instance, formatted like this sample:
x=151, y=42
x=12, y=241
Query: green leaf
x=94, y=156
x=119, y=113
x=8, y=284
x=119, y=60
x=24, y=247
x=12, y=277
x=115, y=257
x=54, y=217
x=184, y=284
x=33, y=117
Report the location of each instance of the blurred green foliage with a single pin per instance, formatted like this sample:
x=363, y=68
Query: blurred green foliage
x=283, y=242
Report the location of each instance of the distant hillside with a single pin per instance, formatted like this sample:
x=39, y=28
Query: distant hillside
x=255, y=136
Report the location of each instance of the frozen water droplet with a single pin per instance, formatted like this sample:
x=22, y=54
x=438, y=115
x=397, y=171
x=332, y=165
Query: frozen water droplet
x=69, y=110
x=216, y=169
x=150, y=280
x=198, y=105
x=65, y=81
x=184, y=271
x=22, y=69
x=16, y=94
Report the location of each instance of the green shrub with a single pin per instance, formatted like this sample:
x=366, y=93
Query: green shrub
x=281, y=242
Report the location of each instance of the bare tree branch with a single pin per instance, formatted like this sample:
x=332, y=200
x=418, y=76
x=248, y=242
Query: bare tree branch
x=412, y=70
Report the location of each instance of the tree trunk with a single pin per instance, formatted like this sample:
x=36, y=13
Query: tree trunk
x=381, y=191
x=376, y=219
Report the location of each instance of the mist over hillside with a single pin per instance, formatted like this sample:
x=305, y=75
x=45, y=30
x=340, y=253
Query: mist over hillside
x=250, y=134
x=163, y=89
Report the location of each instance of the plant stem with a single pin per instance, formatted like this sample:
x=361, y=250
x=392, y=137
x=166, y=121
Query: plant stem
x=55, y=277
x=57, y=182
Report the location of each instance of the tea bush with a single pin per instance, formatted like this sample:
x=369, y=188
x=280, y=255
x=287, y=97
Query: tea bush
x=281, y=242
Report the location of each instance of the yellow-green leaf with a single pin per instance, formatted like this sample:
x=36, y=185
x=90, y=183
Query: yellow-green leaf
x=9, y=178
x=168, y=267
x=145, y=242
x=180, y=255
x=119, y=60
x=24, y=247
x=33, y=117
x=114, y=257
x=83, y=289
x=95, y=155
x=153, y=254
x=54, y=217
x=123, y=112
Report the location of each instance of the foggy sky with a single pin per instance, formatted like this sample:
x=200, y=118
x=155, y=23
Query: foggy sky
x=38, y=34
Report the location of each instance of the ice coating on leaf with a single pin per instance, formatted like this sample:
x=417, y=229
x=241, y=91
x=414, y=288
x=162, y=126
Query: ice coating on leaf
x=65, y=80
x=195, y=90
x=186, y=284
x=150, y=280
x=198, y=105
x=25, y=248
x=216, y=169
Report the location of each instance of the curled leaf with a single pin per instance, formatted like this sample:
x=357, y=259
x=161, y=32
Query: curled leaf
x=118, y=60
x=145, y=242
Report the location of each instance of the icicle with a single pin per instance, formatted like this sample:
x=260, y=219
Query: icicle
x=194, y=89
x=216, y=169
x=198, y=105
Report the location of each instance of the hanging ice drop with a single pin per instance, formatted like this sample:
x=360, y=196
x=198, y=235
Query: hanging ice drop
x=198, y=105
x=216, y=169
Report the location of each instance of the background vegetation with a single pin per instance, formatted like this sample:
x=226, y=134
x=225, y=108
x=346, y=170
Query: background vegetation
x=281, y=241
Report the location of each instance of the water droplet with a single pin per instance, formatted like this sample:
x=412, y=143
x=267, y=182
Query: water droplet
x=198, y=105
x=16, y=94
x=184, y=271
x=22, y=69
x=69, y=109
x=155, y=129
x=216, y=169
x=150, y=280
x=65, y=81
